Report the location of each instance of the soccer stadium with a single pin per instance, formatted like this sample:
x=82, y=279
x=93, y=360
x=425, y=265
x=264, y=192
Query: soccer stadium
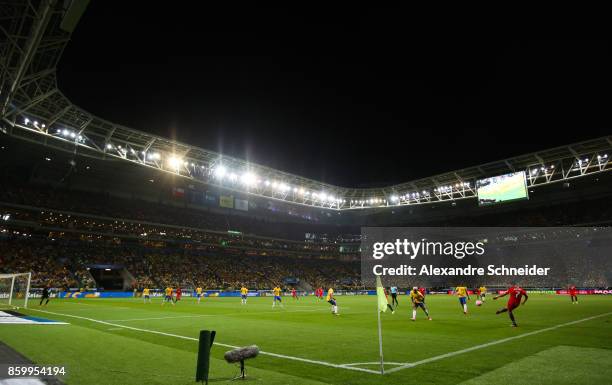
x=133, y=258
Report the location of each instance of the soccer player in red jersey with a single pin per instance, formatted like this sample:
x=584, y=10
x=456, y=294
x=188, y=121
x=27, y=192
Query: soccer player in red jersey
x=294, y=293
x=573, y=292
x=179, y=293
x=515, y=294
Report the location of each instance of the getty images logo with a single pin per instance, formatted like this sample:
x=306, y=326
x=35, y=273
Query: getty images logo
x=412, y=249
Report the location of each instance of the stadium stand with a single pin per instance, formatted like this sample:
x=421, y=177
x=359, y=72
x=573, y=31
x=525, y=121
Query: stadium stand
x=60, y=231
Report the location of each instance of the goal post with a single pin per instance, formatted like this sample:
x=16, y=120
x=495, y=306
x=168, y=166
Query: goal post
x=15, y=290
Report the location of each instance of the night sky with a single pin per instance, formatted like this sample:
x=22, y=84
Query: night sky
x=360, y=100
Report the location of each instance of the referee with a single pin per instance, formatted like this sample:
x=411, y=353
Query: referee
x=394, y=301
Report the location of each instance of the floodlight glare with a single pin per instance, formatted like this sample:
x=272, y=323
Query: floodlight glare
x=175, y=162
x=219, y=172
x=248, y=178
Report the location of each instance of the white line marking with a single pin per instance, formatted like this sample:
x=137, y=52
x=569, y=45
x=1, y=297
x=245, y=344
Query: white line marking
x=496, y=342
x=374, y=363
x=323, y=363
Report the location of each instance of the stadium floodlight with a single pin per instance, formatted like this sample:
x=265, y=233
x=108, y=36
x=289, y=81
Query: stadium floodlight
x=109, y=146
x=248, y=178
x=394, y=198
x=36, y=123
x=219, y=172
x=72, y=135
x=175, y=162
x=267, y=182
x=43, y=125
x=26, y=121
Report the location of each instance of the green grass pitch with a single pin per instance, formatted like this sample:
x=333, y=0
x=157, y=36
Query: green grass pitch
x=136, y=343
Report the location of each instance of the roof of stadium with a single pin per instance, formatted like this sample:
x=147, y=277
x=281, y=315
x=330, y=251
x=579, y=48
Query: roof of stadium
x=33, y=108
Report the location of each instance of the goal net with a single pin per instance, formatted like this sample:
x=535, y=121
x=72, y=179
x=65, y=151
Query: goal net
x=14, y=290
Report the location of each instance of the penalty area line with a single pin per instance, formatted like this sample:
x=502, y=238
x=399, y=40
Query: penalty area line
x=292, y=358
x=408, y=365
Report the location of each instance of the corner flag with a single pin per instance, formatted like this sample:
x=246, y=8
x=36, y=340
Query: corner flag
x=380, y=293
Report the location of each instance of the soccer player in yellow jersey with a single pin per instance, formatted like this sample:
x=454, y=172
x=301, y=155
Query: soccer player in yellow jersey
x=244, y=292
x=199, y=293
x=332, y=301
x=418, y=300
x=462, y=293
x=168, y=297
x=146, y=294
x=482, y=293
x=277, y=297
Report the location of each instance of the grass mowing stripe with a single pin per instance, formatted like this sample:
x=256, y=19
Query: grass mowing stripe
x=323, y=363
x=210, y=315
x=497, y=342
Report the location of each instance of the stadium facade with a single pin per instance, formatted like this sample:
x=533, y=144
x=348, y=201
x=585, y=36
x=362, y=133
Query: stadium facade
x=34, y=109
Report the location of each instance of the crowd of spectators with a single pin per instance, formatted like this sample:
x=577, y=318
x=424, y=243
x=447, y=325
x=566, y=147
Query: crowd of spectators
x=65, y=263
x=178, y=214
